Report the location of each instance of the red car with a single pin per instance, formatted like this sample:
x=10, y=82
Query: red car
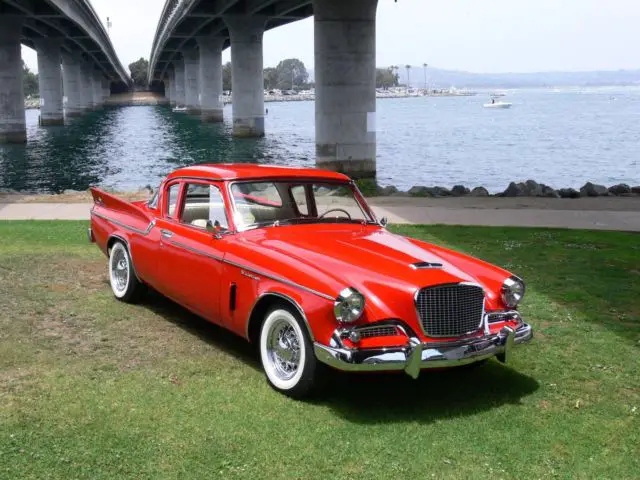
x=295, y=261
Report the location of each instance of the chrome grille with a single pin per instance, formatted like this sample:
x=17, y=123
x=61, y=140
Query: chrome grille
x=450, y=310
x=386, y=331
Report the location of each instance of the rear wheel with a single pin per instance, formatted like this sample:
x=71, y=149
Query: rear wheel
x=287, y=354
x=124, y=283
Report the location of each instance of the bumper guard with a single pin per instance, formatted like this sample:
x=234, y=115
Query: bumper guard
x=417, y=355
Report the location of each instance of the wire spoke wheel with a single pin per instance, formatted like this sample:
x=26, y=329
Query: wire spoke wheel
x=287, y=353
x=124, y=283
x=119, y=270
x=284, y=349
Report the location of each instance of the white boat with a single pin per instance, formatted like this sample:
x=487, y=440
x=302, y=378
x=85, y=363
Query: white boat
x=497, y=104
x=179, y=109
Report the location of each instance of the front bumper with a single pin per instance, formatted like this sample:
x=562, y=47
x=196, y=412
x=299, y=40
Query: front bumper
x=417, y=355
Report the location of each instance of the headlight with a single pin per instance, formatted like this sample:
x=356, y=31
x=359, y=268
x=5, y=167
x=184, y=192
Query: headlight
x=512, y=292
x=349, y=305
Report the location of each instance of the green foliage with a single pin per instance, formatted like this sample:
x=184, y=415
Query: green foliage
x=92, y=388
x=291, y=73
x=30, y=81
x=226, y=76
x=139, y=71
x=270, y=78
x=368, y=187
x=386, y=78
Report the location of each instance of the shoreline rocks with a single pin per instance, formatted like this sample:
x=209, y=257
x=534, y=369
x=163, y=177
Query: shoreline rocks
x=528, y=188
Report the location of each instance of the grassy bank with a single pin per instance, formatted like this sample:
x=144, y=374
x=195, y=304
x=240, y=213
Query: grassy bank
x=92, y=388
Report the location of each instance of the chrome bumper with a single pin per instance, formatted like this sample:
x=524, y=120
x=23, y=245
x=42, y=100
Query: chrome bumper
x=416, y=356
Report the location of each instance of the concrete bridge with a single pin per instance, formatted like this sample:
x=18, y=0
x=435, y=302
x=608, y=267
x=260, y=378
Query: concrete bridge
x=63, y=32
x=186, y=56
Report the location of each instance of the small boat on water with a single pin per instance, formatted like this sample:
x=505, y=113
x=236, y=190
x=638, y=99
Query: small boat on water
x=180, y=108
x=498, y=104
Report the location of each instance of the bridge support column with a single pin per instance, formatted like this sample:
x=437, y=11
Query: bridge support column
x=106, y=90
x=86, y=86
x=167, y=88
x=345, y=74
x=71, y=85
x=191, y=73
x=97, y=89
x=246, y=34
x=178, y=65
x=211, y=78
x=50, y=81
x=172, y=87
x=12, y=120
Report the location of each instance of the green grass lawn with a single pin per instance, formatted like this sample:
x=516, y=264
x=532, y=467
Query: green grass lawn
x=93, y=388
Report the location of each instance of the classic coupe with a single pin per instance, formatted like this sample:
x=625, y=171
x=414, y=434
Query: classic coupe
x=296, y=262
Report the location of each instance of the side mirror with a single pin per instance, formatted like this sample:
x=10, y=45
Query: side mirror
x=215, y=229
x=384, y=221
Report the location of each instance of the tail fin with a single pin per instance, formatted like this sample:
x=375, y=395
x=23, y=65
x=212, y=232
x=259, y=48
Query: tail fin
x=111, y=202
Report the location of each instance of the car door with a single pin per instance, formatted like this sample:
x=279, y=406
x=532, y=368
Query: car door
x=190, y=262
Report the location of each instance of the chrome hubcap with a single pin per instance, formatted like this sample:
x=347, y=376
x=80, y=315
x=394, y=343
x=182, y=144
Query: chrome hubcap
x=283, y=346
x=120, y=269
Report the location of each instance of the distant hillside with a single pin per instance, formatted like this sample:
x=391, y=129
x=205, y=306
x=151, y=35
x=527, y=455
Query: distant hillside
x=438, y=78
x=446, y=78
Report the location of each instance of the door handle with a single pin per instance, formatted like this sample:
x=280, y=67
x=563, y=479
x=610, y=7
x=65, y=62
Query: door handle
x=166, y=233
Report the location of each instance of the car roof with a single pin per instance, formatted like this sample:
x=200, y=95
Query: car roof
x=242, y=171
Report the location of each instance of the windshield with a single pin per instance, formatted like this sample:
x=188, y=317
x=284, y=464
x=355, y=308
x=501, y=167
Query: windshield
x=267, y=202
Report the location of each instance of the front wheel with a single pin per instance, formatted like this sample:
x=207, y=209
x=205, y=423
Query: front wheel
x=124, y=283
x=287, y=354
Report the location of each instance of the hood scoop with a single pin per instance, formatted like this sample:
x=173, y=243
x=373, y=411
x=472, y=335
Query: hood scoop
x=425, y=265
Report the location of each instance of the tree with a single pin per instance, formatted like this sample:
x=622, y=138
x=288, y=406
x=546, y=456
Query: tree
x=291, y=72
x=226, y=76
x=139, y=70
x=386, y=77
x=270, y=78
x=30, y=81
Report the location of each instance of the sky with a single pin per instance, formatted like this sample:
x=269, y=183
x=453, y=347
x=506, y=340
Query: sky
x=483, y=36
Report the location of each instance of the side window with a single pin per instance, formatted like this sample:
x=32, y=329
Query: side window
x=172, y=199
x=299, y=195
x=203, y=203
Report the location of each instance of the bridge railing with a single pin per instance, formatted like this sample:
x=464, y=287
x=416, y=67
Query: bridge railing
x=172, y=12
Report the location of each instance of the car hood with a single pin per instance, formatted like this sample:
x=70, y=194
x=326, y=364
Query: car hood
x=376, y=262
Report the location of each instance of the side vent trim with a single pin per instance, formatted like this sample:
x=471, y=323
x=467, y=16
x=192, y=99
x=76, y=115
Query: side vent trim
x=424, y=265
x=232, y=296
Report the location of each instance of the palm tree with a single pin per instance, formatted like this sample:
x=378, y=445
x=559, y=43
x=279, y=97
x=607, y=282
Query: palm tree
x=394, y=69
x=424, y=66
x=408, y=67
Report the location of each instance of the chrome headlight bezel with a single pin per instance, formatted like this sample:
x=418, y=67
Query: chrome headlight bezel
x=348, y=306
x=512, y=291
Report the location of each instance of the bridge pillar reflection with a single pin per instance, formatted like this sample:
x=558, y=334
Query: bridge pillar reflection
x=191, y=74
x=71, y=85
x=50, y=81
x=12, y=119
x=246, y=34
x=178, y=65
x=345, y=75
x=210, y=80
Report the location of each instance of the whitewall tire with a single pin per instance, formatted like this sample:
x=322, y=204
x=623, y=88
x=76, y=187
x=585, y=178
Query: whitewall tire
x=287, y=354
x=124, y=283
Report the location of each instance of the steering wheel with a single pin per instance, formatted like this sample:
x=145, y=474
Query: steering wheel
x=336, y=210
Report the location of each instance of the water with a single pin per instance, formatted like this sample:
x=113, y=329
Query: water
x=562, y=139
